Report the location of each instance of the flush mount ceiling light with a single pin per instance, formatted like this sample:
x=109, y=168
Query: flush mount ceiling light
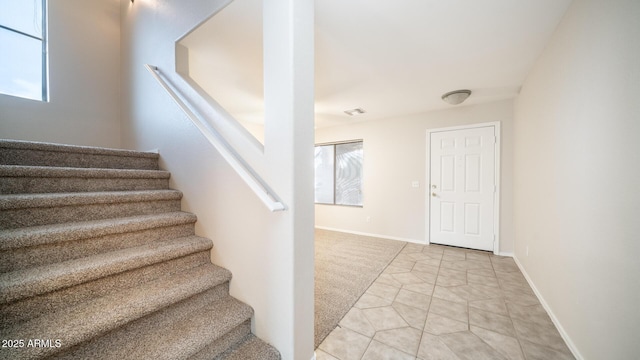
x=352, y=112
x=456, y=97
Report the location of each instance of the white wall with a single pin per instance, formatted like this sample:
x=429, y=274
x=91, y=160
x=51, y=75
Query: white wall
x=269, y=254
x=394, y=156
x=84, y=80
x=577, y=170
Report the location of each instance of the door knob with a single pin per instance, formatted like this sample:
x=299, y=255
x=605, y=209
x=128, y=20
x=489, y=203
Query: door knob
x=434, y=194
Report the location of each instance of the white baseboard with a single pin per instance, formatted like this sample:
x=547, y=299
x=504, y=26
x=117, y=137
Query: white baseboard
x=504, y=253
x=314, y=356
x=421, y=242
x=554, y=319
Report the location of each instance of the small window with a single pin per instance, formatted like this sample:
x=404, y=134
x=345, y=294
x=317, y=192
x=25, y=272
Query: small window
x=23, y=45
x=338, y=173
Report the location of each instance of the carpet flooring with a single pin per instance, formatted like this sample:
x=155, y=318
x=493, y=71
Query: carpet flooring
x=346, y=264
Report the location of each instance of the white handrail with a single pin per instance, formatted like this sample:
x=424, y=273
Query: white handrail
x=250, y=177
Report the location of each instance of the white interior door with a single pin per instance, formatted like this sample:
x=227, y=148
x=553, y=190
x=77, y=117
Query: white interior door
x=463, y=186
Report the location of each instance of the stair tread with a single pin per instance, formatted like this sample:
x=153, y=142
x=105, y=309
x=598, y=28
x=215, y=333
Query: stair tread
x=43, y=279
x=52, y=171
x=51, y=147
x=21, y=201
x=53, y=233
x=252, y=349
x=100, y=259
x=189, y=333
x=82, y=322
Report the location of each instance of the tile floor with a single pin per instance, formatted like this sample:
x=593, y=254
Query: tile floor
x=437, y=302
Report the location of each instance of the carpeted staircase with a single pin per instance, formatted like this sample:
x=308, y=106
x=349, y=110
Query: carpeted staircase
x=98, y=262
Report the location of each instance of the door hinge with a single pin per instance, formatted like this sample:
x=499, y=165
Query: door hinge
x=495, y=188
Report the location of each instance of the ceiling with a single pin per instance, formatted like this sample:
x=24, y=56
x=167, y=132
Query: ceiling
x=390, y=58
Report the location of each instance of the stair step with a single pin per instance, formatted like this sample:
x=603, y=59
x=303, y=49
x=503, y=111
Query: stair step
x=224, y=343
x=175, y=333
x=97, y=260
x=25, y=210
x=17, y=179
x=15, y=152
x=29, y=308
x=40, y=245
x=83, y=322
x=251, y=348
x=24, y=283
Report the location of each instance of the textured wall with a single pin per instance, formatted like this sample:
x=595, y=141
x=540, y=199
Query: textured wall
x=577, y=169
x=269, y=254
x=395, y=154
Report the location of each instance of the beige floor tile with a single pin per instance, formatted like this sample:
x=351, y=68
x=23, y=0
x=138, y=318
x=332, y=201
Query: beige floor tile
x=453, y=257
x=515, y=286
x=496, y=306
x=417, y=300
x=321, y=355
x=429, y=266
x=475, y=292
x=385, y=318
x=388, y=279
x=490, y=321
x=514, y=276
x=454, y=251
x=413, y=316
x=532, y=313
x=508, y=346
x=436, y=302
x=541, y=334
x=405, y=264
x=478, y=256
x=478, y=264
x=367, y=301
x=455, y=265
x=380, y=351
x=433, y=249
x=432, y=348
x=519, y=298
x=413, y=248
x=407, y=278
x=466, y=292
x=449, y=309
x=484, y=291
x=505, y=266
x=383, y=291
x=467, y=346
x=483, y=272
x=395, y=270
x=438, y=325
x=345, y=344
x=419, y=256
x=538, y=352
x=356, y=320
x=448, y=281
x=447, y=294
x=473, y=278
x=406, y=256
x=425, y=276
x=453, y=273
x=404, y=339
x=422, y=288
